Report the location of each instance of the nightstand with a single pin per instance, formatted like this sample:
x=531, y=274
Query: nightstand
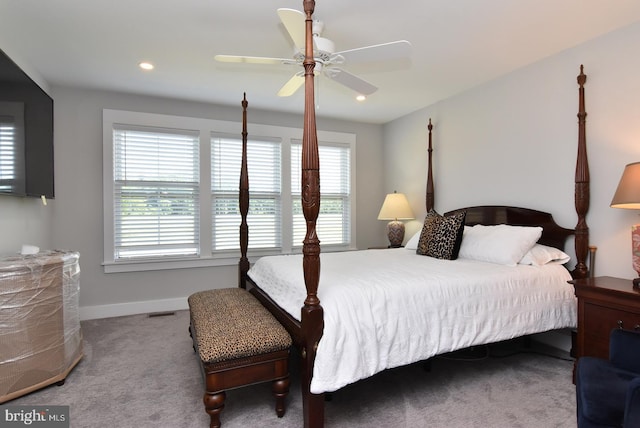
x=604, y=303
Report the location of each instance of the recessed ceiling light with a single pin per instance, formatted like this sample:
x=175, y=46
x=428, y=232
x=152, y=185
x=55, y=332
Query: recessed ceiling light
x=146, y=66
x=361, y=98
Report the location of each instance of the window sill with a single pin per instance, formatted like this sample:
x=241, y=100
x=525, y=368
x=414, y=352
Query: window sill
x=227, y=259
x=163, y=264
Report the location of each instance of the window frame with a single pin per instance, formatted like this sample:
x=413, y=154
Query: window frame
x=142, y=176
x=208, y=128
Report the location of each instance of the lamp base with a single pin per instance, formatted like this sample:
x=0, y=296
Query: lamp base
x=395, y=233
x=635, y=252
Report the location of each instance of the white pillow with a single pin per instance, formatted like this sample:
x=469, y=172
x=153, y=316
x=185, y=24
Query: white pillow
x=540, y=255
x=502, y=244
x=412, y=244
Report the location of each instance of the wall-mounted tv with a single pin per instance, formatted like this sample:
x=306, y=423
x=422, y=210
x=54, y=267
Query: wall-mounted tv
x=26, y=134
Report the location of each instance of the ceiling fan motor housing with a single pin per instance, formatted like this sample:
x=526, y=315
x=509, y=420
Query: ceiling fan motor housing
x=322, y=52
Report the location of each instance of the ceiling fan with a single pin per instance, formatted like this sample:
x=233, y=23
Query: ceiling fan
x=328, y=61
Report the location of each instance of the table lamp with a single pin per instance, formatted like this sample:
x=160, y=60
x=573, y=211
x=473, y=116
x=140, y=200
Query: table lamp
x=395, y=207
x=628, y=196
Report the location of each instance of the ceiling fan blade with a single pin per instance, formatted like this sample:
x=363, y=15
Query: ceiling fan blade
x=294, y=21
x=292, y=85
x=253, y=59
x=351, y=81
x=400, y=49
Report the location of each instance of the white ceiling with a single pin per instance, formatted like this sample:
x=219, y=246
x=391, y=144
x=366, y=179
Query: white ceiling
x=456, y=45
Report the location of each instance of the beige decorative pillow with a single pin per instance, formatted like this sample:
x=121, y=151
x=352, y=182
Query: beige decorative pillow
x=441, y=236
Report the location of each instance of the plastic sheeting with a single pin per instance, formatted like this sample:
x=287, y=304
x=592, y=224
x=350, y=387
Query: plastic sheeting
x=40, y=335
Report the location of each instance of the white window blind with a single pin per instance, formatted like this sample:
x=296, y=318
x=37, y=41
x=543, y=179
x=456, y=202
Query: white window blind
x=171, y=191
x=156, y=192
x=12, y=149
x=333, y=225
x=7, y=154
x=265, y=206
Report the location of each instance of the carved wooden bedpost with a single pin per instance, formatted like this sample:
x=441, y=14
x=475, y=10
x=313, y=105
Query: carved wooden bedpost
x=430, y=192
x=581, y=187
x=243, y=264
x=311, y=313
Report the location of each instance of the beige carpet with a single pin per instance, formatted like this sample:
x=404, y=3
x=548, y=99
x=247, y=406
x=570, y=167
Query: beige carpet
x=141, y=371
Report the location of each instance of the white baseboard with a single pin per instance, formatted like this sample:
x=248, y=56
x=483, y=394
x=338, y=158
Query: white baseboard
x=132, y=308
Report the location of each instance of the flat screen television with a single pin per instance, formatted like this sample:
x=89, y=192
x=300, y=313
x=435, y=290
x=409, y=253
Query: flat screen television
x=26, y=134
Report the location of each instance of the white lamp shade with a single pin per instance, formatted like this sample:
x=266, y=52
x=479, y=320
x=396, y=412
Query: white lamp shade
x=628, y=192
x=395, y=207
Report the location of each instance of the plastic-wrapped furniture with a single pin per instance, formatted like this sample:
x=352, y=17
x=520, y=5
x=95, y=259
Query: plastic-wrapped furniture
x=608, y=391
x=40, y=335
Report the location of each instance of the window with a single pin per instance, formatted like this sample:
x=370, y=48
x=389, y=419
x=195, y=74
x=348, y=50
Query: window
x=263, y=163
x=333, y=225
x=12, y=162
x=8, y=169
x=156, y=192
x=171, y=191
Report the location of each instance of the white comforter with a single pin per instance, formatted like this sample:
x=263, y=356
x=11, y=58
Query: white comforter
x=388, y=308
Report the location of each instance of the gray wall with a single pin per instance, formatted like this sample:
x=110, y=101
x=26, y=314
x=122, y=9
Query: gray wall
x=77, y=220
x=513, y=142
x=25, y=221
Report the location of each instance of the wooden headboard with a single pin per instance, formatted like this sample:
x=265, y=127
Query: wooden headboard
x=552, y=234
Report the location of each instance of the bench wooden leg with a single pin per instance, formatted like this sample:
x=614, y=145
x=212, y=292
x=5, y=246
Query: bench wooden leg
x=213, y=405
x=280, y=390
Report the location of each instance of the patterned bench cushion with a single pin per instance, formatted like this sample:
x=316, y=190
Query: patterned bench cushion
x=230, y=323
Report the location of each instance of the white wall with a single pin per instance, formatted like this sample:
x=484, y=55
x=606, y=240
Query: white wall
x=513, y=142
x=77, y=222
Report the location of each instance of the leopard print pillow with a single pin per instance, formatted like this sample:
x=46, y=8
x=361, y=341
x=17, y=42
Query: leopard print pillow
x=441, y=236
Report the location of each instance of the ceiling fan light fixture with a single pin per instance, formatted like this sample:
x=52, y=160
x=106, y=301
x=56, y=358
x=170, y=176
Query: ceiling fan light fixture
x=361, y=97
x=145, y=65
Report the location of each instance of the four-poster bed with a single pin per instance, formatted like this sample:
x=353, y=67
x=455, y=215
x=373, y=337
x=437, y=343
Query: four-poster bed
x=307, y=324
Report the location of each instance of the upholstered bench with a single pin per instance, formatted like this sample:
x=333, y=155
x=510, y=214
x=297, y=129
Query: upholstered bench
x=239, y=343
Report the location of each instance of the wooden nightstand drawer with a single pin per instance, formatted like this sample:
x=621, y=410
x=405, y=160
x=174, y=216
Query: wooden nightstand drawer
x=598, y=323
x=600, y=320
x=604, y=303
